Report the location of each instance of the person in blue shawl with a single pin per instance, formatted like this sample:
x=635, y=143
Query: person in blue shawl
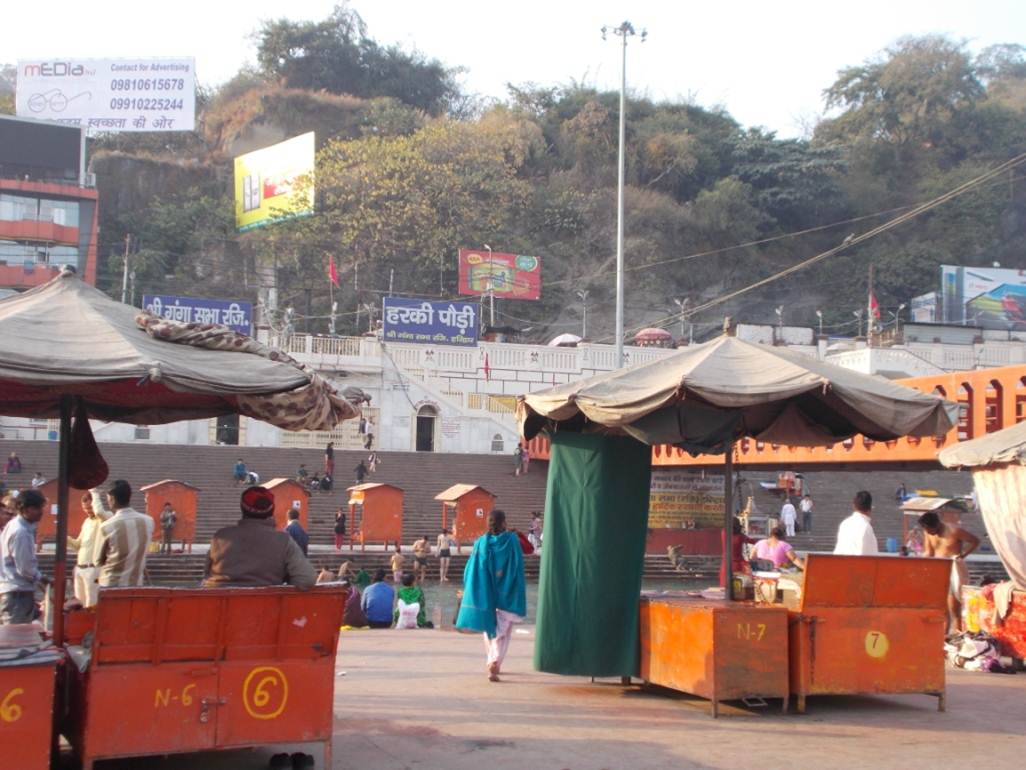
x=494, y=591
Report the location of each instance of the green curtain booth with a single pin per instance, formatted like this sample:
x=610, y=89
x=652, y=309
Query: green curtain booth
x=596, y=514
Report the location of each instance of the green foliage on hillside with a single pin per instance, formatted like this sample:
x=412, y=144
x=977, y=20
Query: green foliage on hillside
x=403, y=180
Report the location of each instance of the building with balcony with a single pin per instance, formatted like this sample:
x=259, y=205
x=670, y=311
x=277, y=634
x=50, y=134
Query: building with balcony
x=48, y=205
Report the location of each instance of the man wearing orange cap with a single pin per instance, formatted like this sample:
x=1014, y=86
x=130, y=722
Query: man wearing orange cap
x=253, y=552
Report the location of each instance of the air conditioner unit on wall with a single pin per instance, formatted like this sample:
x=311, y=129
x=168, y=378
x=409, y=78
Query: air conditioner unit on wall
x=89, y=179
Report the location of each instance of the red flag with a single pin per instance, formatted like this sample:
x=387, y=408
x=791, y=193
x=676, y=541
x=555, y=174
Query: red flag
x=874, y=306
x=487, y=368
x=332, y=272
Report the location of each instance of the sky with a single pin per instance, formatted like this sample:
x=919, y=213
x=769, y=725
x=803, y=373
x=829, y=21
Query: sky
x=767, y=64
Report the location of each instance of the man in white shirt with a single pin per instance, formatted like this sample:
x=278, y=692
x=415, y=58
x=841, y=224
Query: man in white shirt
x=855, y=536
x=788, y=516
x=806, y=506
x=88, y=546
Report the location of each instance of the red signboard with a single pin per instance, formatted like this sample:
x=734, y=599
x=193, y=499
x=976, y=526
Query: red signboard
x=513, y=276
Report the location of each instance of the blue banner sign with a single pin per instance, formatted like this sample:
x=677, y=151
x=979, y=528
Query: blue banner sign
x=237, y=316
x=432, y=323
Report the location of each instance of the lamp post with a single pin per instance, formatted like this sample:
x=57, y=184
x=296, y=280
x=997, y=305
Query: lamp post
x=491, y=289
x=897, y=320
x=819, y=315
x=858, y=315
x=583, y=295
x=682, y=306
x=624, y=31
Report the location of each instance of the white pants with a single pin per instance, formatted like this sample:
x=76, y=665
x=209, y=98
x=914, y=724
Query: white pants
x=789, y=528
x=496, y=648
x=87, y=590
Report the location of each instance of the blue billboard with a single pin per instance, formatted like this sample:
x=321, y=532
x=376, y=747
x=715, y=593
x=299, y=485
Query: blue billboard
x=237, y=316
x=433, y=323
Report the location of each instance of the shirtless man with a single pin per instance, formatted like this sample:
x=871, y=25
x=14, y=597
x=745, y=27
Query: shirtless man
x=947, y=542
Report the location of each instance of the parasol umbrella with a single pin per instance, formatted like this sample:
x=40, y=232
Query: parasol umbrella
x=998, y=464
x=66, y=346
x=708, y=396
x=564, y=340
x=653, y=334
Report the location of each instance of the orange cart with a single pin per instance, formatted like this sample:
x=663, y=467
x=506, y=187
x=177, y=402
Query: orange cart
x=468, y=505
x=189, y=670
x=288, y=494
x=870, y=625
x=376, y=513
x=46, y=530
x=26, y=713
x=716, y=649
x=184, y=499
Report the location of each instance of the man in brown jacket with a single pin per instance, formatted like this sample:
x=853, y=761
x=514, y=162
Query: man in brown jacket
x=253, y=552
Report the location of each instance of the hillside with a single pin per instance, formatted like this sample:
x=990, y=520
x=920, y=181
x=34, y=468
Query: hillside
x=409, y=169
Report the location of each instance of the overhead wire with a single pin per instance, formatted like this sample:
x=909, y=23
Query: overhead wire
x=847, y=244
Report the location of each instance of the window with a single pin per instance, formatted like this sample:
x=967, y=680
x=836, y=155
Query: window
x=59, y=212
x=17, y=208
x=498, y=445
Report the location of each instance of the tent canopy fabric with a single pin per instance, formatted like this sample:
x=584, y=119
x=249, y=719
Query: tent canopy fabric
x=596, y=517
x=66, y=338
x=708, y=395
x=1004, y=446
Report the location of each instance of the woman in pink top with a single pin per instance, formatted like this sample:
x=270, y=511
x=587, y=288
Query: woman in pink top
x=777, y=550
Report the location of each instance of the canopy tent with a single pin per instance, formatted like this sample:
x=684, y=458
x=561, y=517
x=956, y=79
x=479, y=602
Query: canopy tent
x=564, y=340
x=66, y=346
x=998, y=464
x=705, y=398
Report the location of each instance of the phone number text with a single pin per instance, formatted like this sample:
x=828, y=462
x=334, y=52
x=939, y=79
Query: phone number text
x=142, y=103
x=147, y=84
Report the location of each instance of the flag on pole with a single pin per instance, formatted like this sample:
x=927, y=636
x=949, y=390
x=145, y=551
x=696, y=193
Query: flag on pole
x=874, y=306
x=487, y=368
x=332, y=272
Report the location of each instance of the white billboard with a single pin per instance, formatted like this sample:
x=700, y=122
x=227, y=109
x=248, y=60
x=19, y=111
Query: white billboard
x=109, y=94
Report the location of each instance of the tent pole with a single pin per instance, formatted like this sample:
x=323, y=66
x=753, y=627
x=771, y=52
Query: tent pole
x=728, y=519
x=60, y=577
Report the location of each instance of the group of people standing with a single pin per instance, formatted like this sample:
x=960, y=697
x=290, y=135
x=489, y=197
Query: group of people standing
x=110, y=550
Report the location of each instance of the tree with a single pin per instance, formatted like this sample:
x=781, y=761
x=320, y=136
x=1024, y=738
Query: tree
x=336, y=55
x=8, y=75
x=907, y=98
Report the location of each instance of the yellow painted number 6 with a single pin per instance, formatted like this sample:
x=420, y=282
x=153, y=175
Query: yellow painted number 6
x=10, y=711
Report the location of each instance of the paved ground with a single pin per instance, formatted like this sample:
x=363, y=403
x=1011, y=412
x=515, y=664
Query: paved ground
x=419, y=700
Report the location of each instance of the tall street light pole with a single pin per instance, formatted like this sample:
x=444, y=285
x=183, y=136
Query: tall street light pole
x=624, y=31
x=583, y=294
x=682, y=306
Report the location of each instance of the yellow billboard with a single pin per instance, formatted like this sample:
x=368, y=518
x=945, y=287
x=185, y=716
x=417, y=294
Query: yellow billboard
x=275, y=183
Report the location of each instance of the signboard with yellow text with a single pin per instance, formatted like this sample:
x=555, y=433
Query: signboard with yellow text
x=275, y=183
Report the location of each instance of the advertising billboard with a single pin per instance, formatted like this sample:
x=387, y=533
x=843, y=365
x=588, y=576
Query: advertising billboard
x=512, y=276
x=237, y=316
x=37, y=149
x=961, y=285
x=434, y=323
x=923, y=309
x=275, y=183
x=109, y=94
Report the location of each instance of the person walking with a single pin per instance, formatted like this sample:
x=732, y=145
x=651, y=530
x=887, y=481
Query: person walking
x=518, y=460
x=19, y=568
x=494, y=591
x=168, y=520
x=340, y=528
x=855, y=536
x=372, y=462
x=361, y=472
x=396, y=563
x=806, y=506
x=788, y=516
x=445, y=543
x=329, y=459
